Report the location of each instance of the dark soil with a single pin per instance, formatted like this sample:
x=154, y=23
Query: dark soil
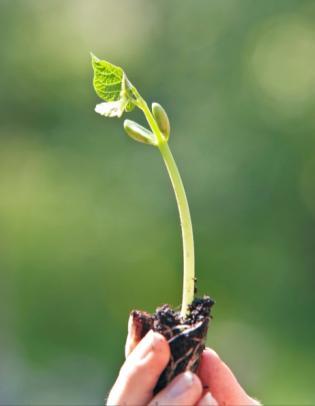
x=186, y=337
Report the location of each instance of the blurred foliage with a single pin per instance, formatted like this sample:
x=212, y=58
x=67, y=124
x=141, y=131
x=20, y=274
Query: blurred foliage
x=88, y=222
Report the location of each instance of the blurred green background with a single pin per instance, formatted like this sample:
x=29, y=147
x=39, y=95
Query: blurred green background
x=88, y=222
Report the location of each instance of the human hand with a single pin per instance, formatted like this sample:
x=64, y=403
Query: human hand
x=140, y=373
x=219, y=381
x=214, y=384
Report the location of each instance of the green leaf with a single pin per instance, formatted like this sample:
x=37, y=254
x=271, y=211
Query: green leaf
x=139, y=133
x=112, y=85
x=107, y=79
x=161, y=119
x=111, y=109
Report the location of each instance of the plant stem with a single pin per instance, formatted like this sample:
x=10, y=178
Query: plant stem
x=186, y=226
x=183, y=209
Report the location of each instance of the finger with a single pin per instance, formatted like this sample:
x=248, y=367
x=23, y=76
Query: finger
x=139, y=324
x=207, y=400
x=185, y=389
x=140, y=372
x=132, y=336
x=221, y=382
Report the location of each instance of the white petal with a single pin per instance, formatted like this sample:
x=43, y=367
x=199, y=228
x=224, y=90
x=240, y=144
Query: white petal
x=110, y=109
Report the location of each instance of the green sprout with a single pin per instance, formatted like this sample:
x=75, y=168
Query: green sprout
x=112, y=85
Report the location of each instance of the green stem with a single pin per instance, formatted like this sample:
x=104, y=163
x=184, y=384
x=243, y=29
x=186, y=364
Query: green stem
x=183, y=209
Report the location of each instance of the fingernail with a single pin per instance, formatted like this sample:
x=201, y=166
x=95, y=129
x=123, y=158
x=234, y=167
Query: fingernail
x=181, y=384
x=207, y=400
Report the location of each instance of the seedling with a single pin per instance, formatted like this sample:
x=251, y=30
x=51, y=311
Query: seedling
x=120, y=96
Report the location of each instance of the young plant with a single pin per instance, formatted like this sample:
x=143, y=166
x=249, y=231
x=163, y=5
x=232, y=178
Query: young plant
x=112, y=85
x=120, y=96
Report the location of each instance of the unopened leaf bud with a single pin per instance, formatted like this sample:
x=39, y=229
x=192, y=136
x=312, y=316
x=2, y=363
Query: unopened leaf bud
x=161, y=119
x=139, y=133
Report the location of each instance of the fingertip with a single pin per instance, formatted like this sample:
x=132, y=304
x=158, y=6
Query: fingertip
x=210, y=355
x=220, y=380
x=160, y=344
x=185, y=388
x=130, y=322
x=141, y=370
x=196, y=384
x=159, y=354
x=195, y=391
x=152, y=342
x=209, y=362
x=211, y=352
x=131, y=340
x=139, y=323
x=149, y=358
x=207, y=400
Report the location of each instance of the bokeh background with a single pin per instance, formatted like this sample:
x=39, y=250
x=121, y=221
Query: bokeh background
x=88, y=222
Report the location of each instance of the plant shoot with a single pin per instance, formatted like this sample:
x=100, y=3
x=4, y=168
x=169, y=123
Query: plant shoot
x=112, y=85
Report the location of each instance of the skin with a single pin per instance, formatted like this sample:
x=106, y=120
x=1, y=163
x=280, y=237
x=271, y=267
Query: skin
x=214, y=384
